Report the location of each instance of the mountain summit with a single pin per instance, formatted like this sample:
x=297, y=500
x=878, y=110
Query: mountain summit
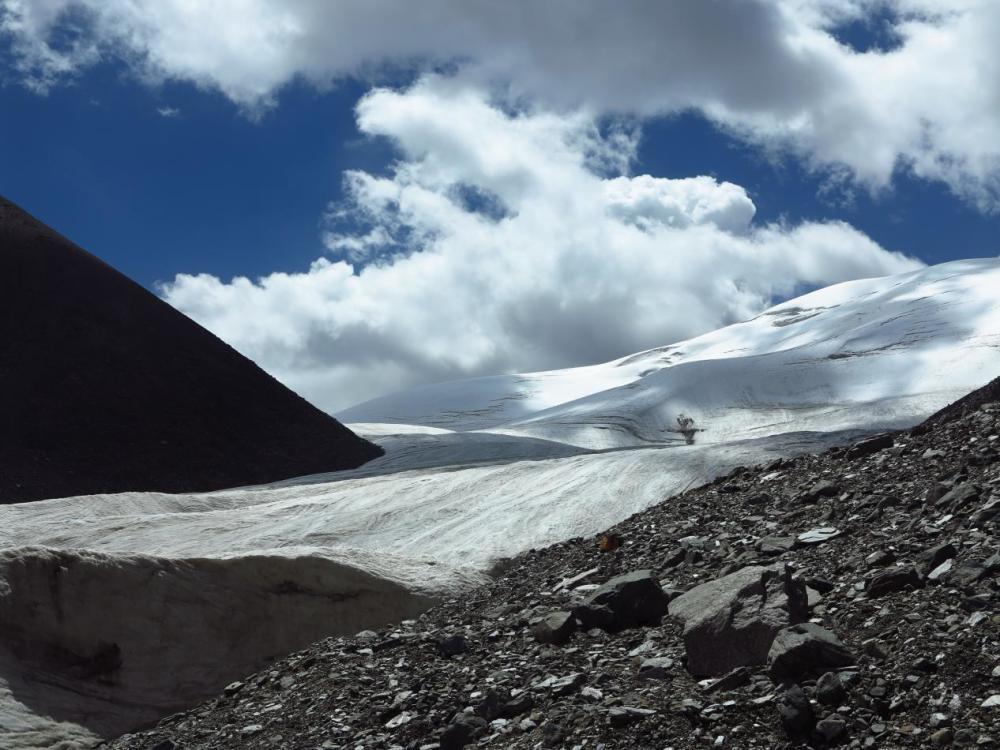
x=106, y=388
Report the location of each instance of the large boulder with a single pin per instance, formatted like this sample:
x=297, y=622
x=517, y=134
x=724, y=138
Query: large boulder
x=730, y=622
x=634, y=599
x=805, y=650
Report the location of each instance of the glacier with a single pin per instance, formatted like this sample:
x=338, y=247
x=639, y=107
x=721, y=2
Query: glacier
x=103, y=595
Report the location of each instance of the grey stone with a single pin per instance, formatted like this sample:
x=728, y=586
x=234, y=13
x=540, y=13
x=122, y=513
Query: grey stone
x=959, y=496
x=462, y=732
x=823, y=488
x=867, y=447
x=830, y=690
x=817, y=535
x=657, y=668
x=634, y=599
x=933, y=557
x=832, y=729
x=730, y=622
x=894, y=580
x=803, y=650
x=775, y=545
x=453, y=645
x=797, y=717
x=555, y=628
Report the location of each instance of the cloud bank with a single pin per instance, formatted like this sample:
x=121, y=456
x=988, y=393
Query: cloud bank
x=511, y=241
x=770, y=71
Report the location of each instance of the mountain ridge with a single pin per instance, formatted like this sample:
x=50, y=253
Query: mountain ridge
x=104, y=387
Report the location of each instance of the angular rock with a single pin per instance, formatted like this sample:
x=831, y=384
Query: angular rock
x=775, y=545
x=960, y=496
x=968, y=573
x=892, y=581
x=941, y=571
x=987, y=513
x=657, y=668
x=453, y=645
x=516, y=706
x=555, y=628
x=867, y=447
x=634, y=599
x=934, y=556
x=830, y=690
x=592, y=616
x=462, y=732
x=823, y=488
x=568, y=684
x=735, y=679
x=804, y=650
x=832, y=729
x=625, y=715
x=795, y=712
x=730, y=622
x=817, y=535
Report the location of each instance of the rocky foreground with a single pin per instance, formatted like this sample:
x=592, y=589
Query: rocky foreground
x=846, y=599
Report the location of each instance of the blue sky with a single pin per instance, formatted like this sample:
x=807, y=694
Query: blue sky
x=366, y=197
x=211, y=190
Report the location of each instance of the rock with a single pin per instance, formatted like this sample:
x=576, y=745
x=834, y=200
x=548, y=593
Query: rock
x=818, y=535
x=805, y=649
x=958, y=497
x=593, y=616
x=516, y=706
x=867, y=447
x=555, y=628
x=933, y=557
x=832, y=729
x=941, y=571
x=453, y=645
x=675, y=558
x=657, y=668
x=564, y=685
x=625, y=715
x=880, y=558
x=830, y=690
x=894, y=580
x=735, y=679
x=634, y=599
x=489, y=707
x=730, y=622
x=463, y=731
x=992, y=702
x=987, y=513
x=942, y=737
x=775, y=545
x=164, y=745
x=967, y=574
x=552, y=734
x=823, y=488
x=796, y=715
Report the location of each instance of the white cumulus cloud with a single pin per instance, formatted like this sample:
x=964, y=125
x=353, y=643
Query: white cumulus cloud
x=771, y=71
x=503, y=240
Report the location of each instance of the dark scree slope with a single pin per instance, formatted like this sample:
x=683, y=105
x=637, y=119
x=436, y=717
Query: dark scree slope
x=106, y=388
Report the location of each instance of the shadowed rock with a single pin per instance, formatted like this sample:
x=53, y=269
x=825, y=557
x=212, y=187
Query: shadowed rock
x=730, y=622
x=805, y=649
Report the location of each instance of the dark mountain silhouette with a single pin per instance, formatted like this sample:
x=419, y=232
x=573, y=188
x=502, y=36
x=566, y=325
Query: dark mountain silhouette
x=106, y=388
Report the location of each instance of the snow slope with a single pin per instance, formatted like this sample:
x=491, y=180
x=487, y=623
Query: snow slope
x=880, y=350
x=474, y=471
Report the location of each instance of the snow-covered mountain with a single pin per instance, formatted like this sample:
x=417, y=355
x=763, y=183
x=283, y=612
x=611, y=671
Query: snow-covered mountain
x=474, y=471
x=842, y=357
